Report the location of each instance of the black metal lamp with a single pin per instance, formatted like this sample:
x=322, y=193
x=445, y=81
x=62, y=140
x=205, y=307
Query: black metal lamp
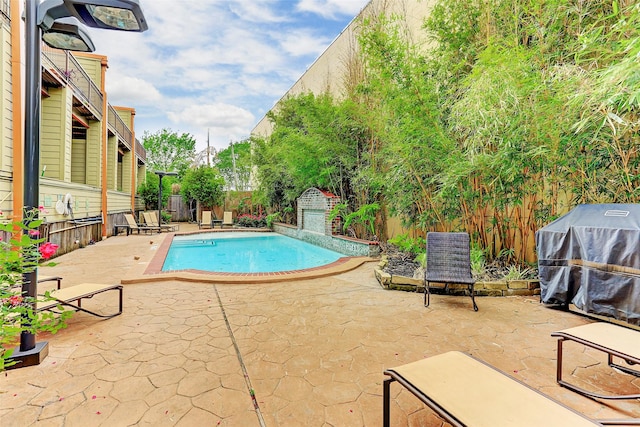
x=49, y=22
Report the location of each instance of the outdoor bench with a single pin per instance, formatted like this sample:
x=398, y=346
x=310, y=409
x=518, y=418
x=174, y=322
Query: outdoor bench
x=465, y=391
x=611, y=339
x=72, y=297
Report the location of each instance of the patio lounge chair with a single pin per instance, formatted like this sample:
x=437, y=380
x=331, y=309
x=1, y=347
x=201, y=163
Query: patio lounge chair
x=448, y=262
x=151, y=220
x=611, y=339
x=227, y=219
x=73, y=295
x=206, y=220
x=133, y=225
x=465, y=391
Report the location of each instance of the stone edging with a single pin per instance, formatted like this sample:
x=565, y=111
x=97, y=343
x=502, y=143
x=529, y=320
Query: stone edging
x=490, y=289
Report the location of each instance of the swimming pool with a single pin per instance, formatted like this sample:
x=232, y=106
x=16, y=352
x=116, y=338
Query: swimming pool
x=244, y=252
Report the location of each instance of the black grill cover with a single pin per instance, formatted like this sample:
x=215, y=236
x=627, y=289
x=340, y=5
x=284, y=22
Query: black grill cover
x=591, y=257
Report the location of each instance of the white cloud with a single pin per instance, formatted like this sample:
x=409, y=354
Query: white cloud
x=304, y=42
x=332, y=8
x=256, y=11
x=216, y=64
x=218, y=116
x=129, y=90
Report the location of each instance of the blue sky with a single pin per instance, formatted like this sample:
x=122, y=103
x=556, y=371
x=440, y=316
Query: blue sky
x=216, y=64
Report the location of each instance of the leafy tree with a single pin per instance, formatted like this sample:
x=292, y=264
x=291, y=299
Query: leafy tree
x=316, y=142
x=403, y=108
x=148, y=190
x=168, y=151
x=203, y=184
x=236, y=174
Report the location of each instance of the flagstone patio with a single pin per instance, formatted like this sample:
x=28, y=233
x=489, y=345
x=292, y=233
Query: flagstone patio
x=297, y=353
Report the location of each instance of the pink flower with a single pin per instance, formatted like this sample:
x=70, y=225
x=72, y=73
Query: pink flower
x=41, y=208
x=34, y=233
x=48, y=249
x=15, y=300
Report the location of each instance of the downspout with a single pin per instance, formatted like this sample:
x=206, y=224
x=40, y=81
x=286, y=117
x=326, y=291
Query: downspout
x=105, y=146
x=17, y=107
x=134, y=162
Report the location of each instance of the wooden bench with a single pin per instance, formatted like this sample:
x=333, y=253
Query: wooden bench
x=466, y=391
x=615, y=341
x=73, y=295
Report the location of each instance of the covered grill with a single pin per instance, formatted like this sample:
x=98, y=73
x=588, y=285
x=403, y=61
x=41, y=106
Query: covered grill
x=590, y=257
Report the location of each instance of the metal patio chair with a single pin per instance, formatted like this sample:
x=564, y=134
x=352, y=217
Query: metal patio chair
x=448, y=262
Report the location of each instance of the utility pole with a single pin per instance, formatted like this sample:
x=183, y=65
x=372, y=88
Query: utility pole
x=208, y=150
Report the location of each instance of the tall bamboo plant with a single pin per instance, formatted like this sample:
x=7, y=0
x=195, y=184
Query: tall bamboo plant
x=516, y=111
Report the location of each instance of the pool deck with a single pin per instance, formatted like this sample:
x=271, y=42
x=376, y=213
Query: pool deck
x=302, y=352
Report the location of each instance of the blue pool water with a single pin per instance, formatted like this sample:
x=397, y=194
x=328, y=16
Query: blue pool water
x=245, y=252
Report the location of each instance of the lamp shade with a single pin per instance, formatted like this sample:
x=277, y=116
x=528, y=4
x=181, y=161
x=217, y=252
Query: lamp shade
x=68, y=34
x=124, y=15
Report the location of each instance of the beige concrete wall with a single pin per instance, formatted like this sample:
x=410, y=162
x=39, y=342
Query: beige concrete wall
x=329, y=72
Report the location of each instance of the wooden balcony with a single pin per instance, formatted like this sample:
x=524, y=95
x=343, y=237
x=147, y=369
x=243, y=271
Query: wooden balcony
x=118, y=127
x=60, y=68
x=141, y=153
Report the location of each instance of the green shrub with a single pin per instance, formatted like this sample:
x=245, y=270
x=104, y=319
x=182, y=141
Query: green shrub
x=252, y=221
x=407, y=244
x=478, y=262
x=274, y=217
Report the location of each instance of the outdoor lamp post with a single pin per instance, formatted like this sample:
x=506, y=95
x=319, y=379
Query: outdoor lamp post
x=160, y=175
x=59, y=24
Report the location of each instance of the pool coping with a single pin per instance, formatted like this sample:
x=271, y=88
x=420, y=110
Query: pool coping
x=154, y=273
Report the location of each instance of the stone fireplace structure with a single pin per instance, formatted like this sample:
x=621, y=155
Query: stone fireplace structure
x=314, y=207
x=314, y=226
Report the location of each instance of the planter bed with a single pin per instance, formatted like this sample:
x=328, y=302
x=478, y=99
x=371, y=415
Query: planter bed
x=497, y=288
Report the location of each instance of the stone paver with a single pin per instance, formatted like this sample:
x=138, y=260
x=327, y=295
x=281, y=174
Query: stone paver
x=297, y=353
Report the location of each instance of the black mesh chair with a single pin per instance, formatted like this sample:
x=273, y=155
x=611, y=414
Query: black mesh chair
x=448, y=261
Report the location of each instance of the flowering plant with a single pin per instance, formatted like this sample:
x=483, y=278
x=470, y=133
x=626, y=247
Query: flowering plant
x=21, y=254
x=249, y=220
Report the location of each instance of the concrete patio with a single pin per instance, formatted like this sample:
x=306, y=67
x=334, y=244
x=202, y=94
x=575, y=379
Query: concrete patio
x=297, y=353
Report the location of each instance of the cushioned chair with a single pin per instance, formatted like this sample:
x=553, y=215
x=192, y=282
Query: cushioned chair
x=448, y=262
x=206, y=220
x=614, y=341
x=133, y=225
x=465, y=391
x=227, y=219
x=151, y=220
x=73, y=295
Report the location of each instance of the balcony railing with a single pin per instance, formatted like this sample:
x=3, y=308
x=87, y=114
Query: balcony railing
x=5, y=8
x=69, y=70
x=141, y=153
x=119, y=127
